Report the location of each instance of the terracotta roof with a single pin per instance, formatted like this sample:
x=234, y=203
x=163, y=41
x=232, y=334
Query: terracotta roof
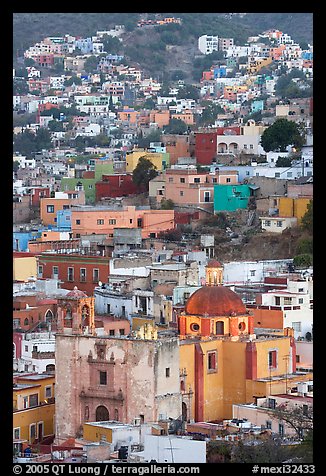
x=213, y=263
x=76, y=294
x=215, y=301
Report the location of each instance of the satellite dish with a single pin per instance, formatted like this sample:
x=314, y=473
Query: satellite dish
x=100, y=283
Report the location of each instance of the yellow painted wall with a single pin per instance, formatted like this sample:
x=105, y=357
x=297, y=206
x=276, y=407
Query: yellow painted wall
x=286, y=207
x=43, y=382
x=24, y=418
x=293, y=207
x=24, y=267
x=96, y=433
x=234, y=382
x=300, y=207
x=132, y=159
x=213, y=381
x=283, y=350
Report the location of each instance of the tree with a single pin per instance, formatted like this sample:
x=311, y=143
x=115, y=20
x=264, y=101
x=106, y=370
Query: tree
x=43, y=139
x=167, y=204
x=25, y=143
x=90, y=64
x=282, y=134
x=283, y=162
x=299, y=417
x=154, y=136
x=144, y=172
x=55, y=126
x=175, y=126
x=15, y=165
x=304, y=260
x=268, y=451
x=307, y=219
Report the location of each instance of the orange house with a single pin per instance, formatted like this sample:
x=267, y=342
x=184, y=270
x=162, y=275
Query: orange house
x=187, y=117
x=86, y=220
x=161, y=118
x=177, y=146
x=61, y=201
x=128, y=115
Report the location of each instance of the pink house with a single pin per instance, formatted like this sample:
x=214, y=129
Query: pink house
x=86, y=220
x=189, y=187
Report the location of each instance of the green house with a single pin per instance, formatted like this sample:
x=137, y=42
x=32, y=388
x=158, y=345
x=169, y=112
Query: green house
x=231, y=197
x=88, y=185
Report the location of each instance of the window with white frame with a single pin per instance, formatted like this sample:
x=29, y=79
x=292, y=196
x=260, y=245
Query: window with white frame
x=296, y=326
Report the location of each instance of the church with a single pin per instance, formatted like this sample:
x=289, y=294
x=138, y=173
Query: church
x=222, y=362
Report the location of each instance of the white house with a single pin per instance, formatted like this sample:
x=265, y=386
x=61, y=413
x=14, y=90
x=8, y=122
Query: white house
x=37, y=353
x=277, y=224
x=207, y=44
x=173, y=449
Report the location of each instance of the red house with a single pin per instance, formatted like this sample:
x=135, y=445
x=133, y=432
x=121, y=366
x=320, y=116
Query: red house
x=205, y=147
x=75, y=269
x=117, y=185
x=37, y=193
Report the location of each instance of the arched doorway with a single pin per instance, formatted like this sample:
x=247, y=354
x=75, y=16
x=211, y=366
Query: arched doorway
x=184, y=412
x=102, y=413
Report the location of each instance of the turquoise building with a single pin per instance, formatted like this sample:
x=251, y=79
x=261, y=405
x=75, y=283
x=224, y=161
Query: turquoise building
x=229, y=198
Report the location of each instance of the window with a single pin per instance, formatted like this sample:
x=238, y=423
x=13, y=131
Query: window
x=251, y=146
x=289, y=174
x=111, y=332
x=32, y=433
x=268, y=424
x=211, y=361
x=181, y=193
x=70, y=274
x=55, y=272
x=194, y=326
x=167, y=372
x=50, y=208
x=108, y=308
x=272, y=359
x=267, y=223
x=277, y=174
x=66, y=207
x=26, y=347
x=112, y=221
x=100, y=221
x=77, y=222
x=139, y=222
x=33, y=400
x=252, y=272
x=271, y=402
x=170, y=179
x=196, y=180
x=103, y=378
x=296, y=326
x=214, y=180
x=122, y=332
x=16, y=433
x=281, y=429
x=182, y=180
x=40, y=271
x=228, y=180
x=82, y=274
x=48, y=392
x=96, y=275
x=279, y=223
x=300, y=300
x=207, y=196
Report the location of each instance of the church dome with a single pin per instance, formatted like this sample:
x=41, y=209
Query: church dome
x=76, y=294
x=215, y=301
x=213, y=263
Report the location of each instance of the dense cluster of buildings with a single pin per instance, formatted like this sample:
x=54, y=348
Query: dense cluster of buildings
x=124, y=339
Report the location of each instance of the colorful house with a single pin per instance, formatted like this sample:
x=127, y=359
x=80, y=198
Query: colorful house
x=24, y=265
x=61, y=201
x=33, y=407
x=231, y=197
x=158, y=159
x=222, y=362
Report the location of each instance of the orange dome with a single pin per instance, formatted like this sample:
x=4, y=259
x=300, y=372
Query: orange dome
x=213, y=263
x=215, y=301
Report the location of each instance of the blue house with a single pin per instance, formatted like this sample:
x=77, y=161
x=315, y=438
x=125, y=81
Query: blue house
x=64, y=220
x=231, y=197
x=219, y=72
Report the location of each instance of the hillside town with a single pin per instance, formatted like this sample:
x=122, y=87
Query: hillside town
x=137, y=336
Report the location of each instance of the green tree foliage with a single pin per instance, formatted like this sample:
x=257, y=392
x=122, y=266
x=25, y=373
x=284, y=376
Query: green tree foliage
x=112, y=44
x=154, y=136
x=43, y=139
x=175, y=126
x=303, y=260
x=20, y=87
x=268, y=451
x=28, y=143
x=167, y=204
x=209, y=114
x=304, y=246
x=307, y=219
x=283, y=162
x=91, y=63
x=144, y=172
x=55, y=126
x=73, y=80
x=188, y=91
x=15, y=166
x=282, y=134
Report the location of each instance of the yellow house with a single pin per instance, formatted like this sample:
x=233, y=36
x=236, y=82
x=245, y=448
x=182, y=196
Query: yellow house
x=33, y=407
x=293, y=207
x=222, y=362
x=158, y=159
x=24, y=266
x=258, y=64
